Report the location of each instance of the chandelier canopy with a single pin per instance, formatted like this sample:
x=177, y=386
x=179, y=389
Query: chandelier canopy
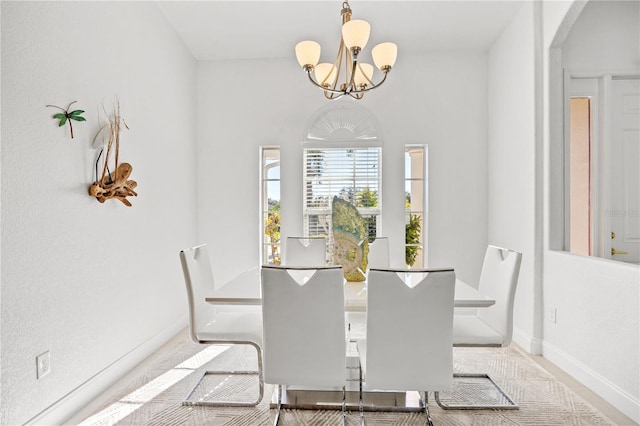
x=347, y=75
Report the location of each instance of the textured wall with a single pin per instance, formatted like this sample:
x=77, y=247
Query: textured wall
x=605, y=37
x=512, y=157
x=89, y=282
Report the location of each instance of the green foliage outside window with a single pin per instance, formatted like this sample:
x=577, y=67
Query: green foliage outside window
x=272, y=229
x=367, y=198
x=412, y=238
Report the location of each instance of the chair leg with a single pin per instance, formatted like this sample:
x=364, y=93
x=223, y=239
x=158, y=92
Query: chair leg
x=426, y=409
x=344, y=406
x=187, y=402
x=361, y=403
x=510, y=405
x=277, y=419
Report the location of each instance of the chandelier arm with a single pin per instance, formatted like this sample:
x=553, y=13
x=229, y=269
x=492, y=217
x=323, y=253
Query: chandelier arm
x=372, y=87
x=333, y=95
x=365, y=75
x=337, y=64
x=352, y=56
x=352, y=83
x=326, y=89
x=337, y=95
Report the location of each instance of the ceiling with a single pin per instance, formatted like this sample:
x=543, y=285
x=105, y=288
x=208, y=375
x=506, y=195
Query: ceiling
x=223, y=30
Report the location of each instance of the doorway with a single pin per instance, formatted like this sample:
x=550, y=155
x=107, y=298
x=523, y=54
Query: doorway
x=602, y=163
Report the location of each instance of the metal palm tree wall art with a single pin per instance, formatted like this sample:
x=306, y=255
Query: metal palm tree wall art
x=66, y=117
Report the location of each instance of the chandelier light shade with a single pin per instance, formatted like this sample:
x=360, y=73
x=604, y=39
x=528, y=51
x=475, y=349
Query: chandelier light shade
x=347, y=75
x=356, y=33
x=325, y=74
x=384, y=55
x=308, y=53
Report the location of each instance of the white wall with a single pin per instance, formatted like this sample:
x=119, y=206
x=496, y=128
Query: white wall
x=595, y=337
x=95, y=284
x=512, y=160
x=437, y=99
x=606, y=37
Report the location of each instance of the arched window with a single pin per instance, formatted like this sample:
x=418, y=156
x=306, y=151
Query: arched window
x=342, y=151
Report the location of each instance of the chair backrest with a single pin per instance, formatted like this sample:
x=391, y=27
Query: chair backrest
x=303, y=326
x=498, y=280
x=410, y=329
x=198, y=278
x=378, y=253
x=305, y=251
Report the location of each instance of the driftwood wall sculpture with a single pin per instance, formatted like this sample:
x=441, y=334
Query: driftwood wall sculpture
x=116, y=185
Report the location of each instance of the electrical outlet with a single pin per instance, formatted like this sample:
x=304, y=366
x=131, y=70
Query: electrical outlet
x=551, y=315
x=43, y=365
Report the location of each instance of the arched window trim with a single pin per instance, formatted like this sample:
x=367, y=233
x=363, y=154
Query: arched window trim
x=342, y=124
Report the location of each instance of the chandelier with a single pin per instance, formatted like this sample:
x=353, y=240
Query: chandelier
x=347, y=75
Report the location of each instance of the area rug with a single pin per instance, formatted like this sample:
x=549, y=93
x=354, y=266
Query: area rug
x=155, y=396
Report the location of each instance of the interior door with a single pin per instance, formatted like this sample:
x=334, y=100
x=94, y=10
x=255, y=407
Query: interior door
x=623, y=210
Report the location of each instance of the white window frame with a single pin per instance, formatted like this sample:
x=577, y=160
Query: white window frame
x=265, y=245
x=326, y=210
x=421, y=206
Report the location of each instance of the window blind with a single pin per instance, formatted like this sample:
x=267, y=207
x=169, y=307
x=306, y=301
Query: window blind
x=352, y=174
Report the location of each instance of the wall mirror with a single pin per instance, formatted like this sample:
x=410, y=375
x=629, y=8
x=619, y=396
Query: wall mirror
x=601, y=65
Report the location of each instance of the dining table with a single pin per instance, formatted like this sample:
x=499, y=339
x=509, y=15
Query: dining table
x=244, y=289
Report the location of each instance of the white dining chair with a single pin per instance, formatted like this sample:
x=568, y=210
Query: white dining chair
x=378, y=256
x=408, y=345
x=304, y=333
x=305, y=251
x=207, y=325
x=491, y=326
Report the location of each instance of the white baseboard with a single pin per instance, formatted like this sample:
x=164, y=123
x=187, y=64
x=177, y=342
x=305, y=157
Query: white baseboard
x=527, y=342
x=74, y=401
x=620, y=399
